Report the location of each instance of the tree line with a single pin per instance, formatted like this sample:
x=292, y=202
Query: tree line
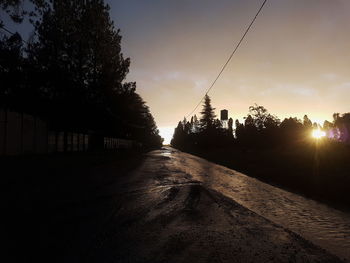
x=72, y=72
x=279, y=152
x=260, y=129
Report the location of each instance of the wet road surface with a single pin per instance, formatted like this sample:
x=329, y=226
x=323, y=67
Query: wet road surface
x=319, y=223
x=175, y=207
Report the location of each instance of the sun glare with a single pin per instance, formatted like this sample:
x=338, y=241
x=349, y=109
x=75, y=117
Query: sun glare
x=318, y=134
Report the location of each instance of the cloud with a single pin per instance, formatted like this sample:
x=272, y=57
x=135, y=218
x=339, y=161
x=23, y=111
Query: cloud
x=289, y=89
x=295, y=59
x=330, y=76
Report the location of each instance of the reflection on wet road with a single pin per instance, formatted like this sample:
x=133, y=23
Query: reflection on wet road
x=323, y=225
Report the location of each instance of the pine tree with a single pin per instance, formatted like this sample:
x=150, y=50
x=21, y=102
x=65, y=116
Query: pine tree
x=208, y=116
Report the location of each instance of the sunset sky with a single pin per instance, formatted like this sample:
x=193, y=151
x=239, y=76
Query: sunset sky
x=294, y=61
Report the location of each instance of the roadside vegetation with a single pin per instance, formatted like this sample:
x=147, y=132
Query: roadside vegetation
x=298, y=155
x=71, y=72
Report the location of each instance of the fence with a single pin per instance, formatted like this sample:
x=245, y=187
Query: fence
x=67, y=142
x=22, y=133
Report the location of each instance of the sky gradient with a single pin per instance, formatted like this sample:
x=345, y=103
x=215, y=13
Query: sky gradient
x=294, y=61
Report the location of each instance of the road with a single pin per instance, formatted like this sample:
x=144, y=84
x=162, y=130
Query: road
x=173, y=207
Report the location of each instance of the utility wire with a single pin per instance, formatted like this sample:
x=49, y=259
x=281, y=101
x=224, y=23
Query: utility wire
x=229, y=59
x=8, y=31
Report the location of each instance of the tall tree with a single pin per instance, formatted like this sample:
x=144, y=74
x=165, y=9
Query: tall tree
x=75, y=71
x=78, y=55
x=77, y=62
x=208, y=115
x=239, y=131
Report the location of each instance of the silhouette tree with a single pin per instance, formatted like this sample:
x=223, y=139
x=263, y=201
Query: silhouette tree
x=78, y=53
x=290, y=131
x=75, y=72
x=239, y=131
x=230, y=126
x=217, y=124
x=179, y=136
x=11, y=71
x=261, y=118
x=208, y=115
x=307, y=122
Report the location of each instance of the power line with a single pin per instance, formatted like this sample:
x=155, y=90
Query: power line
x=230, y=57
x=8, y=31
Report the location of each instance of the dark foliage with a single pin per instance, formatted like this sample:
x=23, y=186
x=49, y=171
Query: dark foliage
x=72, y=73
x=208, y=132
x=17, y=10
x=282, y=153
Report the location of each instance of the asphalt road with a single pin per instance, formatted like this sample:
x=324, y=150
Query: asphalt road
x=158, y=211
